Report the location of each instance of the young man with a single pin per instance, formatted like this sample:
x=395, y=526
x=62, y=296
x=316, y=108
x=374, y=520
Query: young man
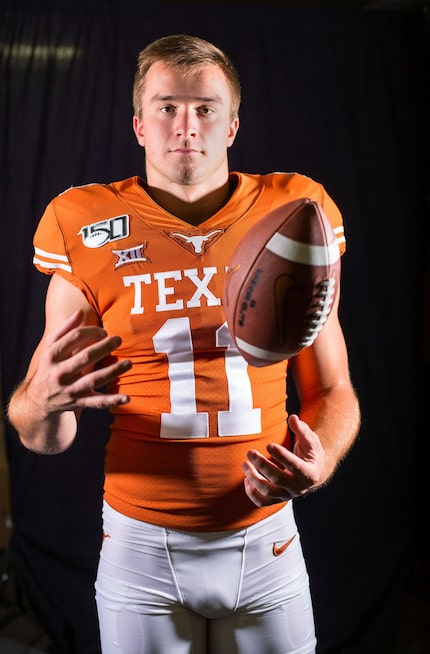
x=201, y=552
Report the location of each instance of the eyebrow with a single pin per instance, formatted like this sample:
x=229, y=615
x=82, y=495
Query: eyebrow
x=176, y=98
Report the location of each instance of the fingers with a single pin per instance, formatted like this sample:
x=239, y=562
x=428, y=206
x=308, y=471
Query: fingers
x=269, y=477
x=286, y=474
x=295, y=423
x=82, y=393
x=283, y=468
x=63, y=344
x=260, y=490
x=260, y=499
x=303, y=436
x=78, y=344
x=74, y=362
x=89, y=348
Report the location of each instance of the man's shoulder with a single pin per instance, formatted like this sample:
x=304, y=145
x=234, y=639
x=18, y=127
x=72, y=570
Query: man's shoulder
x=279, y=180
x=290, y=181
x=93, y=192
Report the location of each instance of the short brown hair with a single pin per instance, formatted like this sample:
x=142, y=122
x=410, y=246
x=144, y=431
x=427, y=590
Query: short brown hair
x=185, y=53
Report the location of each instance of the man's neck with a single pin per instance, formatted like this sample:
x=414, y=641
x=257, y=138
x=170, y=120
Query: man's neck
x=192, y=210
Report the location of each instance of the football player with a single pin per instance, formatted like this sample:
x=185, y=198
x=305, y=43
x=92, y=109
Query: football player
x=201, y=552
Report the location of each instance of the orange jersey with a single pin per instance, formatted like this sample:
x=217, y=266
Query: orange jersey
x=175, y=451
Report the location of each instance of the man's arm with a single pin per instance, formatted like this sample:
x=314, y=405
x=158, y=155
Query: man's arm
x=62, y=378
x=328, y=425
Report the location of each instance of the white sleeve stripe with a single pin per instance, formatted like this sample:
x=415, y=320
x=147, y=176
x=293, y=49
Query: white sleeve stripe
x=340, y=235
x=46, y=264
x=50, y=255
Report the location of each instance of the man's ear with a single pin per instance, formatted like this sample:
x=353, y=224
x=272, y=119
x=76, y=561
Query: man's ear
x=234, y=126
x=138, y=130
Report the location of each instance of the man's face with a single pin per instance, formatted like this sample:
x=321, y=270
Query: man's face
x=186, y=127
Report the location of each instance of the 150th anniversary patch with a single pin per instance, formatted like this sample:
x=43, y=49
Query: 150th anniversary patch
x=105, y=231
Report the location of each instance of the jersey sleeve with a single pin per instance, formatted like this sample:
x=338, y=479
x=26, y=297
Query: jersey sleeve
x=51, y=253
x=49, y=248
x=286, y=187
x=335, y=217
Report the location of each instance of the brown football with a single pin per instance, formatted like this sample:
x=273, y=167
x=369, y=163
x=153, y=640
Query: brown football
x=281, y=282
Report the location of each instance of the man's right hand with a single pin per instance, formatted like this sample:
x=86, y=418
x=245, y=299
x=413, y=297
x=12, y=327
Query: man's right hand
x=68, y=367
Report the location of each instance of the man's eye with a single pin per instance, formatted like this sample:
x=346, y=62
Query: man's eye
x=205, y=111
x=168, y=109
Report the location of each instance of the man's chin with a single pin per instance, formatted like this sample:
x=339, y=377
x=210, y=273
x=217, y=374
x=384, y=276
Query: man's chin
x=185, y=176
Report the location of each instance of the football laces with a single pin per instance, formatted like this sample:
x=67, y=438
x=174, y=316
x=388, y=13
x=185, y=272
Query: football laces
x=319, y=310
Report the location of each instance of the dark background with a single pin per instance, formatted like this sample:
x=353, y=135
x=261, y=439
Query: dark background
x=337, y=91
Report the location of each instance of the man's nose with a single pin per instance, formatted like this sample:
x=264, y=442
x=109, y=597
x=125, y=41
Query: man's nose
x=186, y=124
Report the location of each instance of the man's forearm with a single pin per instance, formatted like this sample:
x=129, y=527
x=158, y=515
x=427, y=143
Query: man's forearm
x=39, y=430
x=335, y=416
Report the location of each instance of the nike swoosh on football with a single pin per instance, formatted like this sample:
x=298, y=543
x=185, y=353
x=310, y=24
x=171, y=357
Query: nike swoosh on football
x=283, y=286
x=277, y=551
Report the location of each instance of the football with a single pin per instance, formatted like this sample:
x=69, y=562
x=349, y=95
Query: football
x=281, y=282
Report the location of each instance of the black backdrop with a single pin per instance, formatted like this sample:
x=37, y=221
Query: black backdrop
x=337, y=94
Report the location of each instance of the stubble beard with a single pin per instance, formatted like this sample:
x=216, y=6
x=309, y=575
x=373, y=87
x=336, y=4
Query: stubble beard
x=185, y=175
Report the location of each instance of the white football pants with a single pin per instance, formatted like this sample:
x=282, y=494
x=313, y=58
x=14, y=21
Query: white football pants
x=161, y=591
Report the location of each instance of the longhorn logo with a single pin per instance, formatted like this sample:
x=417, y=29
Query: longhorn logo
x=196, y=243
